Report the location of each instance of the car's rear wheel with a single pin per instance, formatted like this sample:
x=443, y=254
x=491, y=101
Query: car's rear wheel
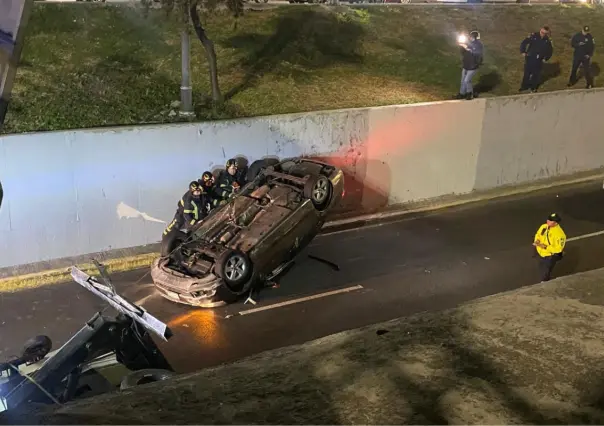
x=235, y=269
x=318, y=189
x=38, y=347
x=256, y=167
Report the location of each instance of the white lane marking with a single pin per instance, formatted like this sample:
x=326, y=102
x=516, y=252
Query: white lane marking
x=301, y=299
x=145, y=299
x=580, y=237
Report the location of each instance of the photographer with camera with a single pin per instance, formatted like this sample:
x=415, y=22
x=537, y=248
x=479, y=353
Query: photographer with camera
x=471, y=57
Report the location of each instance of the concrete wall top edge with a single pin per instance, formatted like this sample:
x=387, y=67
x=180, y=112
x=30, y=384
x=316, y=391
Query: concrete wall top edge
x=243, y=120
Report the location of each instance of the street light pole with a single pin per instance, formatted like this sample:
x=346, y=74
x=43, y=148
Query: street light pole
x=186, y=91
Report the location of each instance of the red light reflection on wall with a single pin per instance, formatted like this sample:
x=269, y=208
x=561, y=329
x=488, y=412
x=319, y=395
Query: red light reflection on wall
x=394, y=134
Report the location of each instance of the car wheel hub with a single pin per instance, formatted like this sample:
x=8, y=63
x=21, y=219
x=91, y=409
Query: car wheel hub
x=320, y=190
x=235, y=268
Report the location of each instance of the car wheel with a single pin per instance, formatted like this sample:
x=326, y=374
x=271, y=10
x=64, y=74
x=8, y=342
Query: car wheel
x=318, y=189
x=256, y=167
x=235, y=270
x=38, y=347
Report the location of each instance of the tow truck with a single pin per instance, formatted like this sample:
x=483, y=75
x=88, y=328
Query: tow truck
x=107, y=354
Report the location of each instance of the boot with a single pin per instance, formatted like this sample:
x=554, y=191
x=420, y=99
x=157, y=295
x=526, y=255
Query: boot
x=469, y=96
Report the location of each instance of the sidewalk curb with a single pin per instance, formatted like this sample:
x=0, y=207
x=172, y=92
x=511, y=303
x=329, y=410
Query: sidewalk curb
x=463, y=199
x=124, y=264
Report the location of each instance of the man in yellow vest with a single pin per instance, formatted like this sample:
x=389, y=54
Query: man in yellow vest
x=549, y=242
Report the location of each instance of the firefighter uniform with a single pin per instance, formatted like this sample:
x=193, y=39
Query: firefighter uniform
x=584, y=46
x=549, y=242
x=208, y=182
x=189, y=211
x=227, y=183
x=537, y=49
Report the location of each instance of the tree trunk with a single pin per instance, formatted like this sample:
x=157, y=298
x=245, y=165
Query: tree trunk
x=208, y=46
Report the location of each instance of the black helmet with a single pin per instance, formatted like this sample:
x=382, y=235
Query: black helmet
x=206, y=176
x=194, y=186
x=475, y=34
x=231, y=162
x=554, y=217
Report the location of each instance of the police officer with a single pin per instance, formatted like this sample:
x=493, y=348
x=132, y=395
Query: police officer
x=584, y=46
x=471, y=57
x=208, y=183
x=536, y=49
x=550, y=240
x=227, y=182
x=189, y=211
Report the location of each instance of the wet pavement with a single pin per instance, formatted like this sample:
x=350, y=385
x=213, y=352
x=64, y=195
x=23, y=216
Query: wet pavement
x=430, y=262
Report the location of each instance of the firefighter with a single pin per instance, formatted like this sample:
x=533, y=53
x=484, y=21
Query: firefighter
x=227, y=184
x=550, y=240
x=208, y=182
x=536, y=49
x=241, y=175
x=190, y=210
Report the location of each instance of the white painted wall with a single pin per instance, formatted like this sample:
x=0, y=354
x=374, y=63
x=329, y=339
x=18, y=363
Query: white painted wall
x=78, y=192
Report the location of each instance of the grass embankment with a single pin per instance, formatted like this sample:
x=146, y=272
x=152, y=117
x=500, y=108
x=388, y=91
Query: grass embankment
x=94, y=65
x=531, y=356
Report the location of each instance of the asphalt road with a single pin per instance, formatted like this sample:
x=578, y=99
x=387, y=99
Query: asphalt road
x=429, y=262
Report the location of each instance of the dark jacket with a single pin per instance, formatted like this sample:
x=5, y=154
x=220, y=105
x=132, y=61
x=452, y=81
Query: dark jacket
x=241, y=176
x=471, y=57
x=536, y=47
x=583, y=45
x=191, y=210
x=225, y=185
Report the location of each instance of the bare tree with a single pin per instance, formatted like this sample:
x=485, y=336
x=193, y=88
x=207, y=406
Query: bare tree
x=190, y=11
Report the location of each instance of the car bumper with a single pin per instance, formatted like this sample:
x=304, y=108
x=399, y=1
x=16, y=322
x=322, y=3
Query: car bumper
x=180, y=288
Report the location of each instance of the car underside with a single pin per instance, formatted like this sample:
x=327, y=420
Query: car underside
x=253, y=236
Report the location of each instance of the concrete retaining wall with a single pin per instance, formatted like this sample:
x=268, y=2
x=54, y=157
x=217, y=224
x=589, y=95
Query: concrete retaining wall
x=72, y=193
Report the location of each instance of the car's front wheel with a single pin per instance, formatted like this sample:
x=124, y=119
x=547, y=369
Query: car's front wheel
x=235, y=269
x=318, y=189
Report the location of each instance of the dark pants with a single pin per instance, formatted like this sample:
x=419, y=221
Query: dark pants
x=577, y=62
x=546, y=266
x=532, y=73
x=171, y=234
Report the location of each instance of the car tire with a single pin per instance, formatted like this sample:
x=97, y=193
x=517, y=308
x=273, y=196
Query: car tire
x=318, y=189
x=235, y=269
x=39, y=345
x=256, y=167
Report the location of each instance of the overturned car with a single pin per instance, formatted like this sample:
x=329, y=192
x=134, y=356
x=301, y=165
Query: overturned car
x=254, y=236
